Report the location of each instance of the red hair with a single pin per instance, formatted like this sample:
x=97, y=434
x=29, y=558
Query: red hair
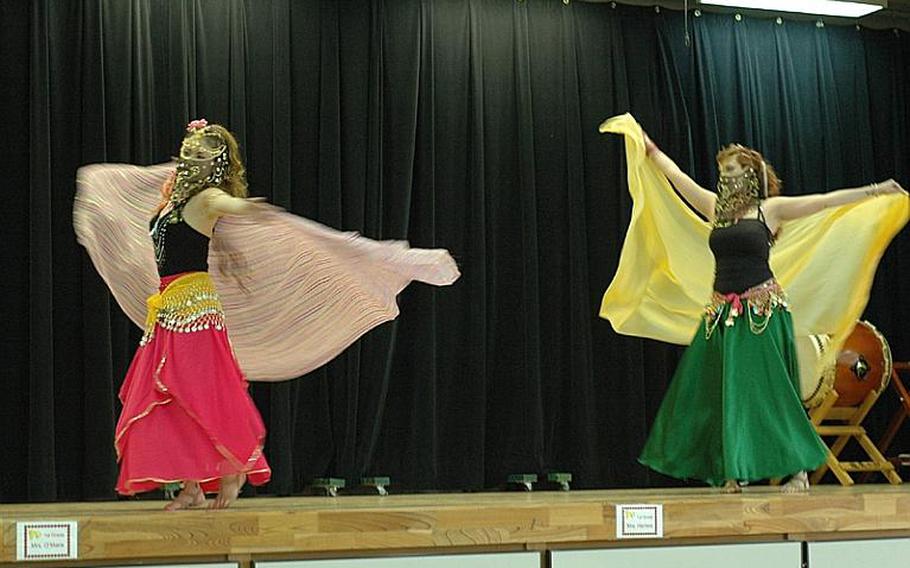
x=747, y=157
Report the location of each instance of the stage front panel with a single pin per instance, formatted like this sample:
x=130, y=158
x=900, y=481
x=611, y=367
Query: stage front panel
x=850, y=554
x=505, y=560
x=769, y=555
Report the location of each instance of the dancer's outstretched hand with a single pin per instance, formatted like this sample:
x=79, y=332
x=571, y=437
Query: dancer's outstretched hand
x=888, y=187
x=650, y=146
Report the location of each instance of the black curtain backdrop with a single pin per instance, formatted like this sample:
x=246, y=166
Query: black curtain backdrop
x=467, y=124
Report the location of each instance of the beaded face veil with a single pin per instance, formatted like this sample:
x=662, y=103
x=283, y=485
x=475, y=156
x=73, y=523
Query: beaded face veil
x=736, y=195
x=203, y=161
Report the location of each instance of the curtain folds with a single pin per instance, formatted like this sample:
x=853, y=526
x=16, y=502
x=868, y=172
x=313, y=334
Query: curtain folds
x=464, y=124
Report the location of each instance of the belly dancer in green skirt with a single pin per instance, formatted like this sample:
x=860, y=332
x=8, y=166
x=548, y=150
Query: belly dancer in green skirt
x=733, y=412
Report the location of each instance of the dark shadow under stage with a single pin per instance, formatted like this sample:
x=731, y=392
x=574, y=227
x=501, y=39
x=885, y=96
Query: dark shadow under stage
x=260, y=529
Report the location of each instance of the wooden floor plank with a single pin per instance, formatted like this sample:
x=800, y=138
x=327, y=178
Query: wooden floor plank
x=273, y=527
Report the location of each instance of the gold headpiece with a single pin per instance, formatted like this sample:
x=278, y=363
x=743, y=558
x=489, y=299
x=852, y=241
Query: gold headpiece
x=203, y=142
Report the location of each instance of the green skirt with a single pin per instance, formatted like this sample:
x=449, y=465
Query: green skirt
x=733, y=409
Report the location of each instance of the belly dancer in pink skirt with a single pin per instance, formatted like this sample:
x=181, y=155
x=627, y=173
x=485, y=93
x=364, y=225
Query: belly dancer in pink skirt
x=293, y=294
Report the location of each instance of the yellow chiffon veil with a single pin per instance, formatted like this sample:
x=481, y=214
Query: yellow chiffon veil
x=825, y=262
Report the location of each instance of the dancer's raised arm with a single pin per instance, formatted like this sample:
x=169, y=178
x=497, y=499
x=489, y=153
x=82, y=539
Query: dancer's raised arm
x=697, y=196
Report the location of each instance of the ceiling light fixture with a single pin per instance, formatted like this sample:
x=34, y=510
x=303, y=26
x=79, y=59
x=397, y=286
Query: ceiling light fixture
x=816, y=7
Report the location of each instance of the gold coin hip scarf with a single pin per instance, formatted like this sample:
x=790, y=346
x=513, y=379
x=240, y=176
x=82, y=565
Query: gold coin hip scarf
x=758, y=303
x=188, y=304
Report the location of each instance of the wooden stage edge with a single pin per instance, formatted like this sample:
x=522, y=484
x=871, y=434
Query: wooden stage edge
x=394, y=525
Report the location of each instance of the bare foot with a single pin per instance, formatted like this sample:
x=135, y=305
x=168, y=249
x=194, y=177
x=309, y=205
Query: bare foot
x=190, y=496
x=731, y=486
x=230, y=490
x=799, y=483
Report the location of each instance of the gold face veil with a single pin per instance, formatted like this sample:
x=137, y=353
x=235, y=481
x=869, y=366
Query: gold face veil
x=203, y=162
x=735, y=196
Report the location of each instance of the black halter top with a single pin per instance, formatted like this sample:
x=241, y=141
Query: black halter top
x=178, y=247
x=741, y=252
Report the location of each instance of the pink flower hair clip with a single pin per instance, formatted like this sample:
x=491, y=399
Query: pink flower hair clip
x=197, y=124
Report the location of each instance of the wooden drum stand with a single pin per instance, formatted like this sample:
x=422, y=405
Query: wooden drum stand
x=863, y=371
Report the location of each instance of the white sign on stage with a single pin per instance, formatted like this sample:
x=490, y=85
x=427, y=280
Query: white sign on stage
x=47, y=540
x=639, y=521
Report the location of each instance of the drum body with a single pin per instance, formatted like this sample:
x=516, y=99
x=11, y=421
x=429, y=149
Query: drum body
x=862, y=366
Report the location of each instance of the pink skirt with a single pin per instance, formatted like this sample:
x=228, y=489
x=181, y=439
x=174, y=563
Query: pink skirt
x=187, y=414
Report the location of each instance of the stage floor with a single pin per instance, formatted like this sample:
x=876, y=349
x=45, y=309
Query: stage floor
x=274, y=528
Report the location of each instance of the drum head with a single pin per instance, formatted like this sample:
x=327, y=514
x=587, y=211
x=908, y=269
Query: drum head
x=863, y=365
x=815, y=382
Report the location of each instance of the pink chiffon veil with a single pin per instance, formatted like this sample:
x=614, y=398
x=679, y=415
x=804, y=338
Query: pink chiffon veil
x=295, y=293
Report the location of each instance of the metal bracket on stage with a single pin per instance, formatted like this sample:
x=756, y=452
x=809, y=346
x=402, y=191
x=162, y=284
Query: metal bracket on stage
x=378, y=483
x=330, y=485
x=563, y=479
x=526, y=480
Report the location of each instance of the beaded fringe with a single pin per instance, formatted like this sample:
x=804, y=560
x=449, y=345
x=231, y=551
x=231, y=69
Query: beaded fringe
x=758, y=303
x=188, y=304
